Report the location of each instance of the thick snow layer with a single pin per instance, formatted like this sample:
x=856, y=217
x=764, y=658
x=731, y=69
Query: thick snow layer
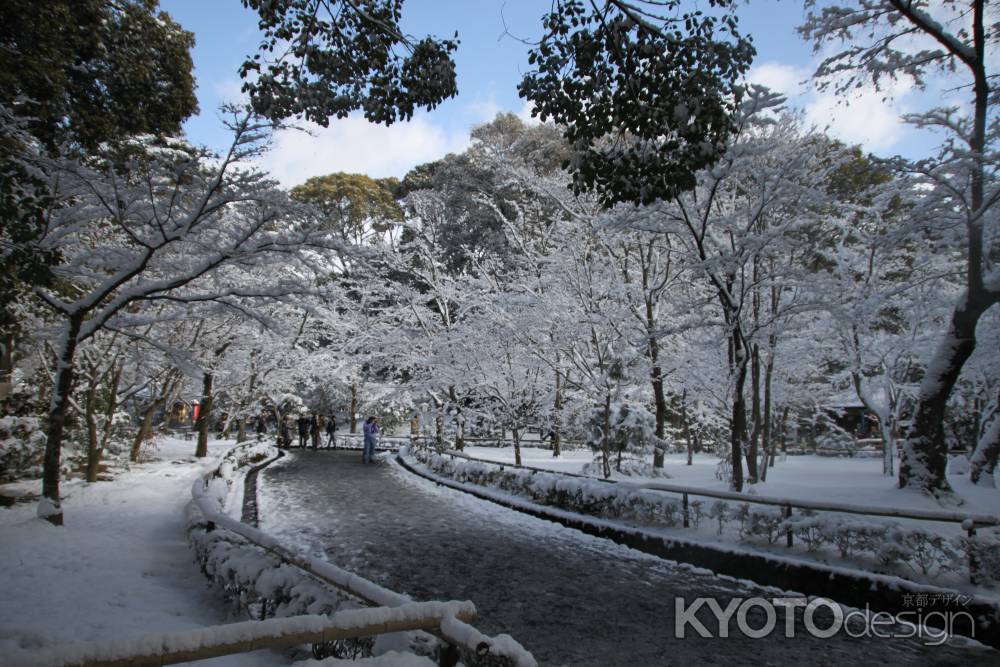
x=858, y=481
x=121, y=566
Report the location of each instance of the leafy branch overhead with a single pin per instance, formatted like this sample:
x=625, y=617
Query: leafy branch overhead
x=646, y=93
x=326, y=58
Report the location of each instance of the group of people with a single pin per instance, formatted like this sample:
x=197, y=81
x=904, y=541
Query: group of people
x=312, y=426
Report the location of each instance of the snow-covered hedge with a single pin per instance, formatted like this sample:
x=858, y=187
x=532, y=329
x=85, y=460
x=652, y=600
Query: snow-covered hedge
x=575, y=494
x=881, y=545
x=22, y=447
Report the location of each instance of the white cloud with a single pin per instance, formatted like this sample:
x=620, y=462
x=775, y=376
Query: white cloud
x=525, y=114
x=865, y=116
x=481, y=111
x=354, y=145
x=779, y=77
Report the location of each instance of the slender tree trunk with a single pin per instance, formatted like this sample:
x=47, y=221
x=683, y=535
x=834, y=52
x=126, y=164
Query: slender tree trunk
x=557, y=417
x=241, y=429
x=751, y=455
x=63, y=385
x=354, y=407
x=516, y=434
x=111, y=404
x=782, y=433
x=145, y=431
x=90, y=416
x=605, y=444
x=767, y=435
x=739, y=420
x=204, y=415
x=6, y=365
x=686, y=426
x=659, y=398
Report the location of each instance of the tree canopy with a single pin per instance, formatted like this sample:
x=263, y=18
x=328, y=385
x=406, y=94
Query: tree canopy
x=338, y=56
x=90, y=71
x=646, y=93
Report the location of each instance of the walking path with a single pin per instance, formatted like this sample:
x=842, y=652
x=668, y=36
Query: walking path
x=569, y=598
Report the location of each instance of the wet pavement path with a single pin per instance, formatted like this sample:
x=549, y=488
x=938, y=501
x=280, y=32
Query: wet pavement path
x=569, y=598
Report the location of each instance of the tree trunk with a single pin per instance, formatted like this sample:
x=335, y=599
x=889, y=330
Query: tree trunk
x=925, y=450
x=145, y=431
x=557, y=418
x=751, y=454
x=686, y=426
x=90, y=416
x=516, y=433
x=63, y=385
x=782, y=440
x=659, y=400
x=739, y=421
x=605, y=444
x=354, y=407
x=984, y=459
x=6, y=365
x=766, y=435
x=204, y=416
x=241, y=429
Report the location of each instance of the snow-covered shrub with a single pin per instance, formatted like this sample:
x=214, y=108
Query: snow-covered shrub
x=149, y=448
x=836, y=442
x=696, y=512
x=922, y=551
x=625, y=432
x=724, y=469
x=981, y=554
x=850, y=536
x=808, y=528
x=720, y=512
x=22, y=447
x=766, y=522
x=742, y=516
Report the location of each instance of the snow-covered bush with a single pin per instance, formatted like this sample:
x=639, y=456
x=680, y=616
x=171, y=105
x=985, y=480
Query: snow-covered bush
x=720, y=512
x=622, y=436
x=885, y=544
x=981, y=553
x=22, y=447
x=808, y=528
x=696, y=513
x=766, y=522
x=585, y=496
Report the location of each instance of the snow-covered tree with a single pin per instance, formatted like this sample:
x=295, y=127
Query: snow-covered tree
x=883, y=40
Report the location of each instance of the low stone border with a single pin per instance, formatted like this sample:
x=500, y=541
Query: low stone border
x=249, y=514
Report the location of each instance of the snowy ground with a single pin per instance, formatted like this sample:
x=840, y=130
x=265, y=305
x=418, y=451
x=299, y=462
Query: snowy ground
x=858, y=481
x=120, y=567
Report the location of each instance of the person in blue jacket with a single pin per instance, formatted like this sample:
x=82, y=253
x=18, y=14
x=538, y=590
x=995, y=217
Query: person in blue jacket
x=370, y=429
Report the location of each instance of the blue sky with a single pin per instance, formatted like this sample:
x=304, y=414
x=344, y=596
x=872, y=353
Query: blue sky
x=490, y=64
